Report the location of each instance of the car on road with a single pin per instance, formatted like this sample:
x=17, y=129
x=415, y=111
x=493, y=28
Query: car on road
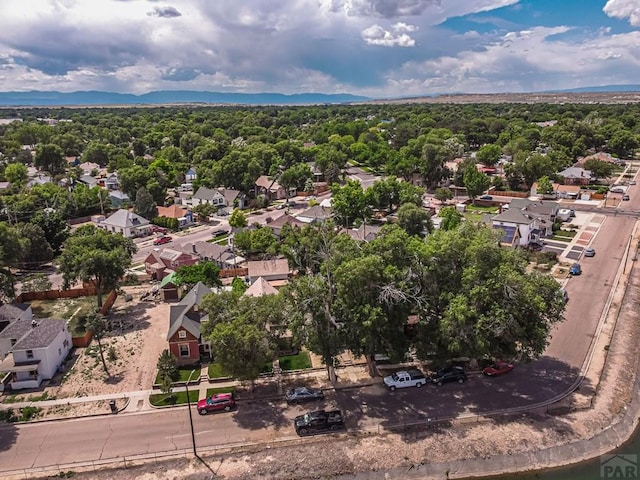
x=632, y=182
x=485, y=197
x=448, y=374
x=303, y=394
x=625, y=198
x=575, y=269
x=589, y=252
x=218, y=402
x=320, y=421
x=162, y=240
x=497, y=368
x=219, y=232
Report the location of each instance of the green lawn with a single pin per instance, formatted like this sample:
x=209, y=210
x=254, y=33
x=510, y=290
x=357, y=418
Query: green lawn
x=566, y=234
x=216, y=371
x=473, y=217
x=174, y=398
x=295, y=362
x=183, y=375
x=483, y=209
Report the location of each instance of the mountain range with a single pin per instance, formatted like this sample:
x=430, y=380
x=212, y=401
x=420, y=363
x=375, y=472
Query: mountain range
x=41, y=98
x=168, y=97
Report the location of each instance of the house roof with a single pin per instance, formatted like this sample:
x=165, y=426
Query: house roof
x=172, y=212
x=316, y=212
x=285, y=219
x=168, y=279
x=118, y=194
x=183, y=314
x=89, y=166
x=569, y=188
x=172, y=254
x=125, y=219
x=575, y=172
x=88, y=179
x=261, y=268
x=208, y=250
x=12, y=311
x=33, y=334
x=268, y=183
x=514, y=215
x=204, y=193
x=365, y=232
x=260, y=288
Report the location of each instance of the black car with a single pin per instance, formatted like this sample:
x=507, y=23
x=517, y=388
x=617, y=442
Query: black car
x=320, y=421
x=449, y=374
x=303, y=394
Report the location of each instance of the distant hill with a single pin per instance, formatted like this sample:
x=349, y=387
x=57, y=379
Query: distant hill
x=602, y=89
x=163, y=97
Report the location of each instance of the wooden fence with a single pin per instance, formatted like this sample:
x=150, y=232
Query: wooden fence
x=86, y=291
x=234, y=272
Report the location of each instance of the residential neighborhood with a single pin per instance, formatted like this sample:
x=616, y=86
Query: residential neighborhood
x=228, y=272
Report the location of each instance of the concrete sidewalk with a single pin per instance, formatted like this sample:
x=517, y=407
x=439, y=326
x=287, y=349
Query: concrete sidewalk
x=349, y=377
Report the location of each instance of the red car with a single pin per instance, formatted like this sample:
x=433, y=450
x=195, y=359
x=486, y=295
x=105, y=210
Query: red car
x=497, y=368
x=216, y=403
x=162, y=240
x=157, y=229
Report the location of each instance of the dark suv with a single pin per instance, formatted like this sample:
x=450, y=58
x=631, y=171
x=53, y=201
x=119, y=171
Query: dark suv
x=449, y=374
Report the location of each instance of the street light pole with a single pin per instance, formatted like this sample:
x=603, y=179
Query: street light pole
x=193, y=435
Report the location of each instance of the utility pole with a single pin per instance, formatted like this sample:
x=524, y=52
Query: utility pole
x=193, y=435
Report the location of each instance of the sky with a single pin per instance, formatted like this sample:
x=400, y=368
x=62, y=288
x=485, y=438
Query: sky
x=376, y=48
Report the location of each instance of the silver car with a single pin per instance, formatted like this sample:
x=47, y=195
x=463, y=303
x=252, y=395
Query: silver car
x=303, y=394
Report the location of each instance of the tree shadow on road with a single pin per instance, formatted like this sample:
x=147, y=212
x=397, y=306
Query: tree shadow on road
x=8, y=436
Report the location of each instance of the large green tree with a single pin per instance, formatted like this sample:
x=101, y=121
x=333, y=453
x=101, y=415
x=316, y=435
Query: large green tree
x=206, y=272
x=96, y=256
x=50, y=158
x=349, y=203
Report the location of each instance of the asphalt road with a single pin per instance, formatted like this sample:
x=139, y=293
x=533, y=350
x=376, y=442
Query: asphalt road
x=51, y=443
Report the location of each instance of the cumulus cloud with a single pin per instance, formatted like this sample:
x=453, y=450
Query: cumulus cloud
x=376, y=35
x=164, y=12
x=624, y=9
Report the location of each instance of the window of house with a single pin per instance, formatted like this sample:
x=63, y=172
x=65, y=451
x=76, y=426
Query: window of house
x=182, y=334
x=184, y=350
x=13, y=341
x=34, y=374
x=29, y=353
x=65, y=343
x=59, y=351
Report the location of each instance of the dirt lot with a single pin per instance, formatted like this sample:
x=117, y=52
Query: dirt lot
x=131, y=353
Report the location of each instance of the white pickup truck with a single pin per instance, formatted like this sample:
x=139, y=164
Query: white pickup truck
x=404, y=379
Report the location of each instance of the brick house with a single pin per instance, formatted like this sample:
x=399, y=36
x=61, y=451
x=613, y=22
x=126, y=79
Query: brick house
x=185, y=318
x=576, y=176
x=160, y=263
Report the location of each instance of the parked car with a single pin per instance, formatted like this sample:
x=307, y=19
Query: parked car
x=448, y=374
x=575, y=269
x=303, y=394
x=320, y=421
x=157, y=229
x=162, y=240
x=625, y=197
x=218, y=402
x=565, y=295
x=497, y=368
x=589, y=252
x=632, y=182
x=485, y=197
x=219, y=232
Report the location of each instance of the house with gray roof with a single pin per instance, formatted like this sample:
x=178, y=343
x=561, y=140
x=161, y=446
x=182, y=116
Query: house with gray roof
x=221, y=255
x=224, y=199
x=185, y=319
x=526, y=221
x=12, y=312
x=127, y=223
x=33, y=351
x=576, y=176
x=315, y=214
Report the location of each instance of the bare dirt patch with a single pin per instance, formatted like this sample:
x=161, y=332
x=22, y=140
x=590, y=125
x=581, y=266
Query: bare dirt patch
x=131, y=350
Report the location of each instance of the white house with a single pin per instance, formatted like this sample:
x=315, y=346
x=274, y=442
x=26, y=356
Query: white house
x=35, y=350
x=127, y=223
x=525, y=221
x=12, y=312
x=223, y=198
